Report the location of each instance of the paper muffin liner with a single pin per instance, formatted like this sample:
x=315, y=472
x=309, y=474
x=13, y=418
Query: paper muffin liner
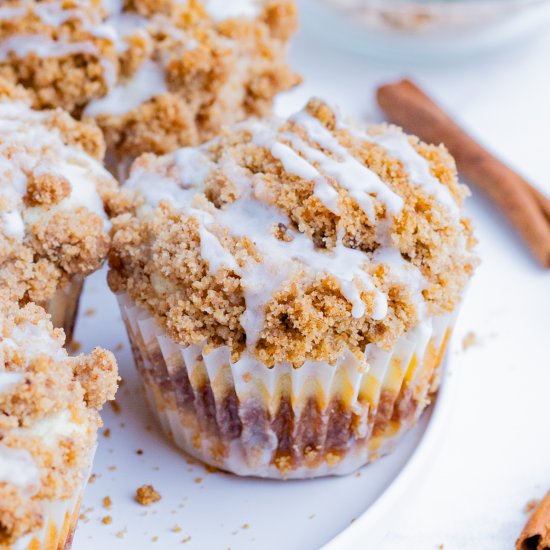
x=282, y=422
x=60, y=520
x=63, y=306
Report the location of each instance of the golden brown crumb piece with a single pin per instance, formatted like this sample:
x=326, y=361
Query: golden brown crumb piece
x=469, y=340
x=106, y=520
x=107, y=502
x=147, y=495
x=92, y=371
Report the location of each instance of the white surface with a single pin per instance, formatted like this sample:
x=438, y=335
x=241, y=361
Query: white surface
x=493, y=455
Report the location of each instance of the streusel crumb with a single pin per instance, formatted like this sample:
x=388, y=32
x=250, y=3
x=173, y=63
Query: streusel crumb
x=294, y=240
x=147, y=495
x=49, y=419
x=156, y=75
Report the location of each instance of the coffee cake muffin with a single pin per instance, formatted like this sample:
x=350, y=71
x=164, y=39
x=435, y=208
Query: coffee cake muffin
x=155, y=75
x=53, y=225
x=289, y=289
x=48, y=428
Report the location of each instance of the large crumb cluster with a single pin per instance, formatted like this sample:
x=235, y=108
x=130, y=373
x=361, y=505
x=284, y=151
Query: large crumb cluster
x=154, y=74
x=53, y=226
x=147, y=495
x=49, y=418
x=220, y=195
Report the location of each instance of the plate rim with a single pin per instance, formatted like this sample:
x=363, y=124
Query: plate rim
x=371, y=521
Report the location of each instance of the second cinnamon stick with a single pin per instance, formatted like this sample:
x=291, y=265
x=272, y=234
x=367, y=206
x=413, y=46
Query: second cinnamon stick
x=405, y=104
x=536, y=534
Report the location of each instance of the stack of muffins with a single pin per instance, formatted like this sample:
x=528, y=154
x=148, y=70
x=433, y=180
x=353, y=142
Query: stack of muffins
x=288, y=286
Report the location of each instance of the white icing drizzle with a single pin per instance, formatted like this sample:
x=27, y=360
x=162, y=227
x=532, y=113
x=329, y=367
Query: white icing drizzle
x=13, y=224
x=228, y=9
x=194, y=165
x=396, y=142
x=19, y=468
x=212, y=250
x=26, y=44
x=404, y=273
x=8, y=380
x=148, y=82
x=51, y=429
x=293, y=163
x=359, y=181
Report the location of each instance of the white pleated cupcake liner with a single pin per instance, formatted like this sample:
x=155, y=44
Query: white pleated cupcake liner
x=282, y=422
x=63, y=306
x=60, y=520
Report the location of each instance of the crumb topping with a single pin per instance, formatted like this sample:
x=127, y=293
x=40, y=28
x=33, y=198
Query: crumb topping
x=294, y=240
x=53, y=223
x=155, y=75
x=49, y=420
x=147, y=495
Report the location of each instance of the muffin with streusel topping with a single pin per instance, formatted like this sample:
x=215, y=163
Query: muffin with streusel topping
x=289, y=289
x=155, y=75
x=54, y=193
x=48, y=438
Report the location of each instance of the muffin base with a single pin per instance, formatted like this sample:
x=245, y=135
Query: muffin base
x=60, y=520
x=63, y=306
x=282, y=422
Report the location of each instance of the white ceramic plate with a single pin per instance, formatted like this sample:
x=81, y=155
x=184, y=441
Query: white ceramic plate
x=218, y=510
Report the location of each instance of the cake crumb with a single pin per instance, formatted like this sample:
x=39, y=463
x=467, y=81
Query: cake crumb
x=107, y=520
x=115, y=406
x=107, y=432
x=147, y=495
x=177, y=529
x=139, y=452
x=107, y=502
x=90, y=312
x=92, y=478
x=112, y=468
x=119, y=347
x=198, y=480
x=121, y=534
x=186, y=539
x=245, y=526
x=154, y=539
x=469, y=340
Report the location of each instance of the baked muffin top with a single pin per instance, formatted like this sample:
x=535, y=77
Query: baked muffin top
x=293, y=240
x=156, y=74
x=49, y=417
x=53, y=187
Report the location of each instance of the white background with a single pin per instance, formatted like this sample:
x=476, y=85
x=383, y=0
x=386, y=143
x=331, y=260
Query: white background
x=493, y=454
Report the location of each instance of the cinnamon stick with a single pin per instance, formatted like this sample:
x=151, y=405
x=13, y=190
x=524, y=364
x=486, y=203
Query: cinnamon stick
x=536, y=533
x=525, y=207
